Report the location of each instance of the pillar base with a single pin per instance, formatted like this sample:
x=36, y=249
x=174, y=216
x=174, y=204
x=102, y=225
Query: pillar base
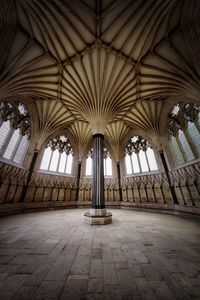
x=97, y=217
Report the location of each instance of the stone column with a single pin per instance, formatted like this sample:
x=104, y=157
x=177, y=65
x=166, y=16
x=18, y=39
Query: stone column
x=119, y=181
x=98, y=214
x=78, y=179
x=98, y=199
x=171, y=187
x=25, y=187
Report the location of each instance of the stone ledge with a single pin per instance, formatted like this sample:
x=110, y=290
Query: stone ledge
x=176, y=209
x=13, y=208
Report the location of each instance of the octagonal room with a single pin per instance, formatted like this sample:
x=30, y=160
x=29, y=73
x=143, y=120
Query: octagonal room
x=99, y=149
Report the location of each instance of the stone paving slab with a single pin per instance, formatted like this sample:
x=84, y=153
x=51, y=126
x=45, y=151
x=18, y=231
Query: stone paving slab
x=141, y=255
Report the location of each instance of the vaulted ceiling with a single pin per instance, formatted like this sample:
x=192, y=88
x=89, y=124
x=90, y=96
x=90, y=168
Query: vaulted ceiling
x=99, y=65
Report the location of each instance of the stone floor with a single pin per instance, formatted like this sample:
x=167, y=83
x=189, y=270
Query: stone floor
x=141, y=255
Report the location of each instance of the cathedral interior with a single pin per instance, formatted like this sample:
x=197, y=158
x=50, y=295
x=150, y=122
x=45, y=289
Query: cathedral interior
x=99, y=110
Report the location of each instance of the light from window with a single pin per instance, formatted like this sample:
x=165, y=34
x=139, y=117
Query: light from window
x=184, y=140
x=63, y=160
x=194, y=135
x=176, y=152
x=107, y=166
x=151, y=159
x=21, y=150
x=12, y=145
x=69, y=164
x=143, y=161
x=46, y=159
x=136, y=167
x=4, y=130
x=54, y=161
x=185, y=145
x=88, y=171
x=128, y=164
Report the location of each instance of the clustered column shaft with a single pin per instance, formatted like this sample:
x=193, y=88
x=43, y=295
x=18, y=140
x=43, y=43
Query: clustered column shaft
x=171, y=187
x=98, y=199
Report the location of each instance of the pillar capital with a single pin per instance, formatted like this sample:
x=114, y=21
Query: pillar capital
x=98, y=135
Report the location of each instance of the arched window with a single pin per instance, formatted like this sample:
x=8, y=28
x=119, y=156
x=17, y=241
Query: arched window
x=184, y=132
x=107, y=162
x=88, y=169
x=139, y=156
x=58, y=156
x=14, y=131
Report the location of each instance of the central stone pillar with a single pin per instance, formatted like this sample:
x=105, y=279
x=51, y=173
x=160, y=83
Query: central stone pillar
x=97, y=214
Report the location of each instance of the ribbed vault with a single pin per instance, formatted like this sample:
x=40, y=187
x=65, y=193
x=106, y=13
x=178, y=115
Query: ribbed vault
x=99, y=66
x=81, y=134
x=116, y=132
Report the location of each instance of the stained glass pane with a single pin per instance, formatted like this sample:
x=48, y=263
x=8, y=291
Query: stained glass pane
x=46, y=158
x=4, y=130
x=151, y=159
x=143, y=161
x=69, y=164
x=176, y=152
x=12, y=144
x=62, y=163
x=194, y=134
x=128, y=164
x=186, y=147
x=108, y=162
x=54, y=161
x=136, y=168
x=104, y=166
x=88, y=171
x=21, y=150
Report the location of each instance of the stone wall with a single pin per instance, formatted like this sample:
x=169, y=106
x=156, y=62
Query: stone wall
x=187, y=184
x=47, y=191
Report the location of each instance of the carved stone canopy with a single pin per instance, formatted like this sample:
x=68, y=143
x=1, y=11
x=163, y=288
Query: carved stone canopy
x=180, y=115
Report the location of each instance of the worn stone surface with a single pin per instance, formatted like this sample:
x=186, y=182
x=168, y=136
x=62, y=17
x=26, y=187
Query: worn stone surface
x=141, y=255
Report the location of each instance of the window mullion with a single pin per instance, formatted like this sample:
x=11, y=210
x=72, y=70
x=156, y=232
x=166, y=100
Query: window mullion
x=50, y=160
x=181, y=148
x=139, y=162
x=190, y=142
x=147, y=160
x=6, y=142
x=92, y=167
x=16, y=147
x=131, y=163
x=58, y=164
x=66, y=163
x=197, y=125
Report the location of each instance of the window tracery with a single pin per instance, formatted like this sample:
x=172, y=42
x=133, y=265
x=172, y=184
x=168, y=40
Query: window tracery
x=139, y=156
x=14, y=131
x=184, y=132
x=58, y=155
